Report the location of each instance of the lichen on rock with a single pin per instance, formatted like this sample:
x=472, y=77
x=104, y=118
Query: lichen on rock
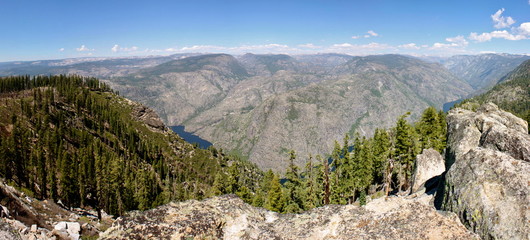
x=228, y=217
x=487, y=184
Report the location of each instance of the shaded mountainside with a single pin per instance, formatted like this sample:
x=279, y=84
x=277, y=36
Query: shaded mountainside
x=180, y=89
x=72, y=139
x=269, y=64
x=326, y=60
x=483, y=71
x=361, y=95
x=511, y=94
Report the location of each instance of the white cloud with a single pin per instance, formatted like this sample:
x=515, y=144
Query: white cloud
x=343, y=45
x=410, y=46
x=513, y=34
x=484, y=37
x=525, y=28
x=500, y=21
x=203, y=48
x=372, y=33
x=355, y=49
x=117, y=48
x=61, y=49
x=369, y=34
x=83, y=48
x=266, y=48
x=452, y=42
x=167, y=50
x=308, y=45
x=459, y=41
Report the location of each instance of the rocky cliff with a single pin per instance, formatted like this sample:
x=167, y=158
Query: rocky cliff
x=227, y=217
x=488, y=182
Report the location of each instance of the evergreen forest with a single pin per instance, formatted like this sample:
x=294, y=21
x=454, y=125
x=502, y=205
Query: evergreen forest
x=74, y=139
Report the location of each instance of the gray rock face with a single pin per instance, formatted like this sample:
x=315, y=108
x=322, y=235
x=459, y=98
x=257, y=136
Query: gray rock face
x=72, y=228
x=148, y=116
x=488, y=184
x=228, y=217
x=429, y=165
x=7, y=232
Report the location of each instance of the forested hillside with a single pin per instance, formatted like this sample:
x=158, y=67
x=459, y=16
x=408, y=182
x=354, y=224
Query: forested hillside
x=512, y=93
x=357, y=167
x=73, y=139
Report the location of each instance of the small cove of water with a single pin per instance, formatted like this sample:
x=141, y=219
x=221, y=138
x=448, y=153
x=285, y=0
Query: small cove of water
x=447, y=106
x=190, y=137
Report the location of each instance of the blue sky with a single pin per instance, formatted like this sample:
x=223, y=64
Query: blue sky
x=32, y=30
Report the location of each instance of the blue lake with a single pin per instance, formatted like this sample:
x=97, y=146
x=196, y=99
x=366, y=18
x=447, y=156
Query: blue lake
x=190, y=137
x=449, y=105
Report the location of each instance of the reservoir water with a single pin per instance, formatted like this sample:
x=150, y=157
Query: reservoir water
x=190, y=137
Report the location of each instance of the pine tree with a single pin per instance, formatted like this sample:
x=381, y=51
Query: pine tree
x=405, y=149
x=381, y=151
x=311, y=196
x=293, y=186
x=275, y=201
x=219, y=184
x=337, y=179
x=326, y=185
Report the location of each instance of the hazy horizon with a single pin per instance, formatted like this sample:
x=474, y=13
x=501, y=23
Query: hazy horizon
x=37, y=30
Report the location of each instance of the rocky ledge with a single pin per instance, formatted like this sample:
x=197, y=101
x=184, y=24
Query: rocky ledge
x=488, y=182
x=228, y=217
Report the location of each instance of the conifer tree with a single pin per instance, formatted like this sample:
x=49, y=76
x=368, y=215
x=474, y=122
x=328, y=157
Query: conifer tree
x=381, y=151
x=311, y=196
x=293, y=186
x=275, y=201
x=326, y=185
x=405, y=148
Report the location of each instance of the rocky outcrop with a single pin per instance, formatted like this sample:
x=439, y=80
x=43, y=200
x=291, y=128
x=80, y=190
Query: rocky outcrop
x=429, y=167
x=7, y=232
x=70, y=230
x=29, y=218
x=148, y=116
x=228, y=217
x=488, y=183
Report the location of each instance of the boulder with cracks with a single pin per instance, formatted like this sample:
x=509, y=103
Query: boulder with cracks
x=488, y=183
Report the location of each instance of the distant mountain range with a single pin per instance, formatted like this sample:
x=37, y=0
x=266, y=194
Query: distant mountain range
x=483, y=71
x=262, y=106
x=512, y=93
x=95, y=67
